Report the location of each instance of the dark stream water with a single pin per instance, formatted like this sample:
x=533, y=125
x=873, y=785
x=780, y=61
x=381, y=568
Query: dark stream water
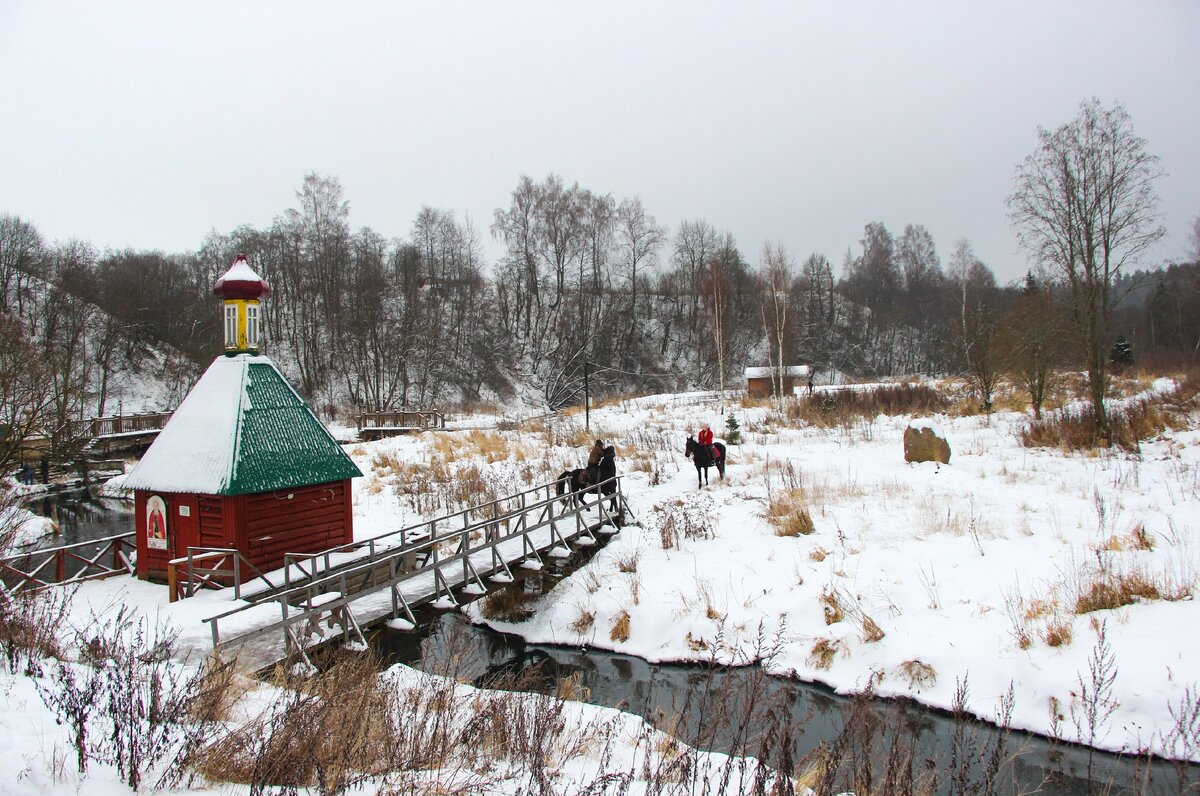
x=81, y=517
x=710, y=708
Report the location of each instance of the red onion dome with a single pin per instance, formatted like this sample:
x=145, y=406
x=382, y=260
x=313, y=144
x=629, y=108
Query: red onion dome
x=240, y=282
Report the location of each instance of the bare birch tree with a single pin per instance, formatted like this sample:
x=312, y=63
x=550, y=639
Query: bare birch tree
x=776, y=274
x=1084, y=206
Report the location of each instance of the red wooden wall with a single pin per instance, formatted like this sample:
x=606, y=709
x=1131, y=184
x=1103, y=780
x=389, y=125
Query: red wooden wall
x=262, y=526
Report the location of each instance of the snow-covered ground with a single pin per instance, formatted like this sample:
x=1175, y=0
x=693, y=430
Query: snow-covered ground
x=914, y=579
x=26, y=526
x=940, y=573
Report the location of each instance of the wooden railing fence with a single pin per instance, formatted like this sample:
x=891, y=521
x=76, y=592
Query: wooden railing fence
x=91, y=560
x=211, y=568
x=119, y=424
x=403, y=418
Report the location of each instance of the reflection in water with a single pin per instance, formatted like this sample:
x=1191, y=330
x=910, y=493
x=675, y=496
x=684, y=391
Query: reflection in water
x=780, y=720
x=81, y=517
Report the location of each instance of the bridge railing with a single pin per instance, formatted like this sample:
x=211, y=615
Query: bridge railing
x=119, y=424
x=210, y=568
x=90, y=560
x=308, y=565
x=403, y=418
x=436, y=554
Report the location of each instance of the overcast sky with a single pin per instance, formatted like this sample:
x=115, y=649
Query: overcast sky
x=146, y=125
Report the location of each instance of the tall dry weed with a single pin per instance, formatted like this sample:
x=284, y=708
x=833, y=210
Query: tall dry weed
x=1131, y=423
x=849, y=406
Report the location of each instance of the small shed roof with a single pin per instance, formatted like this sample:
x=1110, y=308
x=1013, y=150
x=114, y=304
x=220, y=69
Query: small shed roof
x=242, y=429
x=794, y=371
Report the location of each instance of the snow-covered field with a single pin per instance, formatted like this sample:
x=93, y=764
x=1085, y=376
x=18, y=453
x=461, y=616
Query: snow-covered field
x=934, y=575
x=915, y=578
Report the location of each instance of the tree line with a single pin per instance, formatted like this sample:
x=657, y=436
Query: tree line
x=359, y=319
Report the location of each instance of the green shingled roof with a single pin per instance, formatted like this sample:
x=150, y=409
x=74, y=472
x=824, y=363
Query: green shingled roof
x=281, y=443
x=241, y=429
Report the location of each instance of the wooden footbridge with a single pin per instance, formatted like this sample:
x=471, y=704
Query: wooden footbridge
x=374, y=425
x=118, y=432
x=334, y=593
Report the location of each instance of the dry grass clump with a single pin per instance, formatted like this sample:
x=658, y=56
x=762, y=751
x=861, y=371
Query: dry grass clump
x=848, y=406
x=871, y=630
x=1039, y=608
x=1058, y=632
x=1074, y=428
x=620, y=628
x=1008, y=398
x=628, y=562
x=919, y=675
x=788, y=512
x=1115, y=591
x=832, y=607
x=1137, y=539
x=217, y=690
x=570, y=689
x=440, y=485
x=756, y=402
x=328, y=731
x=385, y=463
x=583, y=623
x=818, y=554
x=507, y=604
x=1124, y=383
x=824, y=651
x=492, y=446
x=1140, y=540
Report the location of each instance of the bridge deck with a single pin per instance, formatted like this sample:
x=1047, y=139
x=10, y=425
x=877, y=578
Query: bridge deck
x=334, y=593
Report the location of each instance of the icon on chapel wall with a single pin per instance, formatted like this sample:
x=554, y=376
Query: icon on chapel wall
x=156, y=523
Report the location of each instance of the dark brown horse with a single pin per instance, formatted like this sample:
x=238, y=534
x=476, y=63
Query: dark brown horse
x=703, y=460
x=579, y=481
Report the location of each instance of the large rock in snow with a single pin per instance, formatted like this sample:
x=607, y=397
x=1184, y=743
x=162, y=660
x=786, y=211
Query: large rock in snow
x=924, y=442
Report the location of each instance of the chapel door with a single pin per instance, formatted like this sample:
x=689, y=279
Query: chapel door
x=186, y=526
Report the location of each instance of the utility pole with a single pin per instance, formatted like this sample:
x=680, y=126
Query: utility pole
x=586, y=423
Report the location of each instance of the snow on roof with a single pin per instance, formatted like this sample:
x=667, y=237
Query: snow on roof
x=241, y=429
x=241, y=271
x=792, y=371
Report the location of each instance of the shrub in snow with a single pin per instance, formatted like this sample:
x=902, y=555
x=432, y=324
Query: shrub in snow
x=694, y=518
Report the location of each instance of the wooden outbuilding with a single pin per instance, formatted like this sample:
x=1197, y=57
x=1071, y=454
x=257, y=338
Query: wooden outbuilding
x=761, y=382
x=244, y=463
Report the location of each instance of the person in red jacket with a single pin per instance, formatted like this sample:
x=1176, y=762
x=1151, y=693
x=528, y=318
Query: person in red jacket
x=705, y=438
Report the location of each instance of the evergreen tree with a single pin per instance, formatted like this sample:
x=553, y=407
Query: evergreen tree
x=733, y=430
x=1121, y=353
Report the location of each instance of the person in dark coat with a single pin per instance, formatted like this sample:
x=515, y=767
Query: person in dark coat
x=594, y=457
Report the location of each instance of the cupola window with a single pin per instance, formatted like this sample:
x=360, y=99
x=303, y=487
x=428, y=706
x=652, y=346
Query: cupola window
x=252, y=326
x=231, y=326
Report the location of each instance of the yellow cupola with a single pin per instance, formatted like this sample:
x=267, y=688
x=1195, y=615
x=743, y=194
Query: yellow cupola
x=242, y=289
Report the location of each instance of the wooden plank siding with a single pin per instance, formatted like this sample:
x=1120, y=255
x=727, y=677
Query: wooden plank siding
x=212, y=522
x=314, y=518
